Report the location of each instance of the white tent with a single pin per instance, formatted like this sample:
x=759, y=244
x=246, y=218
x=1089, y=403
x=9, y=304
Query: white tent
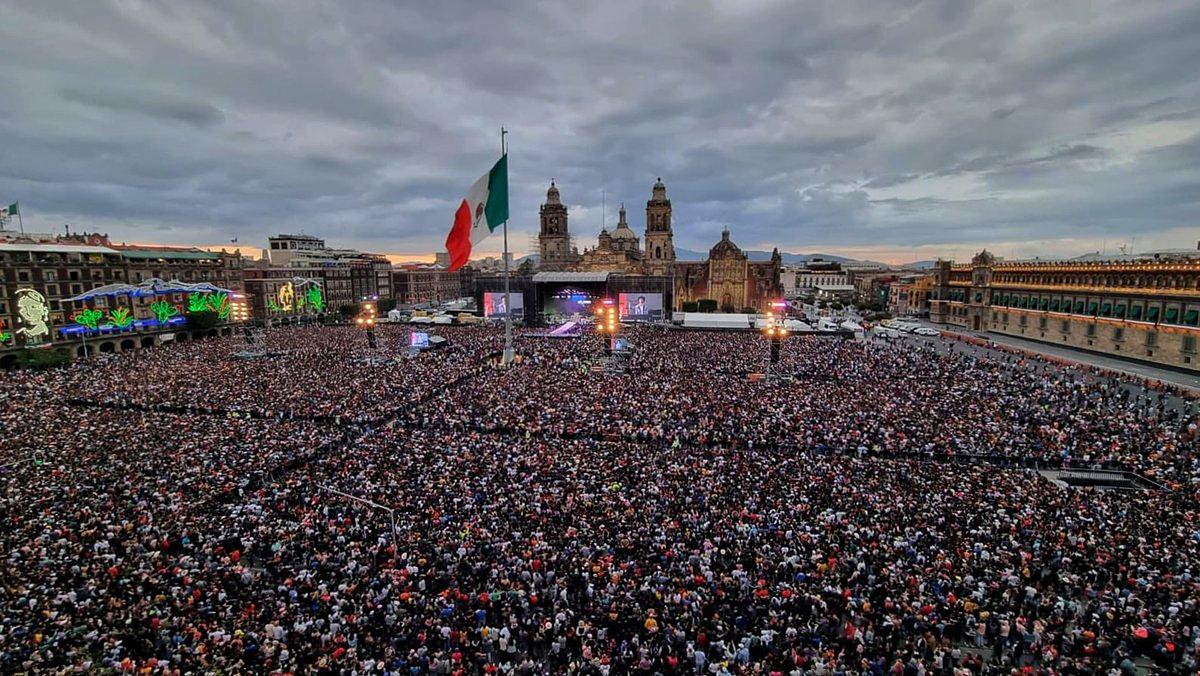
x=709, y=320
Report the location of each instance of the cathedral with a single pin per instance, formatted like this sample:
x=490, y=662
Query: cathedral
x=726, y=276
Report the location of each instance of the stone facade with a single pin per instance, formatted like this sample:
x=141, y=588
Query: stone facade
x=1141, y=307
x=729, y=277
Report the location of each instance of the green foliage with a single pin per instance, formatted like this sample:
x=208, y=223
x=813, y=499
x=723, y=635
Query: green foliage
x=88, y=317
x=202, y=320
x=197, y=302
x=348, y=310
x=163, y=310
x=316, y=299
x=41, y=359
x=707, y=305
x=120, y=317
x=218, y=303
x=691, y=306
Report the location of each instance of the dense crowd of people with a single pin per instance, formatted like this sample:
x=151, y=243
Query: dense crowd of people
x=328, y=507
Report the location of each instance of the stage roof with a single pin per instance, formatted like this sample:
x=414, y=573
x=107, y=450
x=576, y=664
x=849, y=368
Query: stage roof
x=570, y=277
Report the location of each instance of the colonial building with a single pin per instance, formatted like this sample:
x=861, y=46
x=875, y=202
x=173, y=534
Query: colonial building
x=618, y=252
x=346, y=276
x=554, y=238
x=729, y=277
x=1144, y=306
x=660, y=240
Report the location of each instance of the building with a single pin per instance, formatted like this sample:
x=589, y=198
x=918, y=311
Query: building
x=729, y=277
x=1143, y=306
x=619, y=252
x=290, y=262
x=909, y=295
x=40, y=272
x=798, y=281
x=416, y=285
x=554, y=238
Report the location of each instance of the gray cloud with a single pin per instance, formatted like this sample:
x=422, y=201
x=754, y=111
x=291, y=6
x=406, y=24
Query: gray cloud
x=854, y=124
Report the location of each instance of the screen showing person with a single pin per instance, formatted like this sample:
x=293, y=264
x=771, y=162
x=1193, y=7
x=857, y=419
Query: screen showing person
x=640, y=306
x=495, y=306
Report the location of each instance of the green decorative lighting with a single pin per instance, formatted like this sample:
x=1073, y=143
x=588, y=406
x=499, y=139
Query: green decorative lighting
x=272, y=305
x=88, y=317
x=218, y=303
x=163, y=310
x=197, y=302
x=120, y=317
x=5, y=336
x=315, y=300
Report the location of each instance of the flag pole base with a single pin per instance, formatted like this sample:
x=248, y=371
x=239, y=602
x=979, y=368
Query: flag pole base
x=508, y=357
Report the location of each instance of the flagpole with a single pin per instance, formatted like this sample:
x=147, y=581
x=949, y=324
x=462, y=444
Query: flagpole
x=20, y=220
x=508, y=346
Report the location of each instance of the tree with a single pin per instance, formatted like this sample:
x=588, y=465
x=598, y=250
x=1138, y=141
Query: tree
x=202, y=320
x=525, y=268
x=41, y=359
x=387, y=305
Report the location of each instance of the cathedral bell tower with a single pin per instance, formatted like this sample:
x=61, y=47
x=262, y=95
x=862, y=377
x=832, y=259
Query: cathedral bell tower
x=659, y=256
x=554, y=241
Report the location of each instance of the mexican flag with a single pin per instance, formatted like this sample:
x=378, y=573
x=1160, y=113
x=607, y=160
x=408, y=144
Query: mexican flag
x=483, y=210
x=11, y=210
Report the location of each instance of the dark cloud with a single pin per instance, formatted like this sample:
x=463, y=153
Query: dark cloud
x=854, y=124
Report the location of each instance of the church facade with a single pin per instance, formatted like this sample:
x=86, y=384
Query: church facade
x=727, y=276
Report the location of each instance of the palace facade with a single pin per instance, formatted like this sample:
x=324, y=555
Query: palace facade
x=1144, y=306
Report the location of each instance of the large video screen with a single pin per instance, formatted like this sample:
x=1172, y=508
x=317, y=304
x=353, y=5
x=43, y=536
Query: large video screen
x=419, y=339
x=493, y=305
x=569, y=302
x=640, y=306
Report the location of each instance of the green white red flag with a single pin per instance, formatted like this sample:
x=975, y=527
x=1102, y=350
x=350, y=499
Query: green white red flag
x=484, y=209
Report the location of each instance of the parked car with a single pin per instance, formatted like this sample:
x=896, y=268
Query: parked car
x=926, y=331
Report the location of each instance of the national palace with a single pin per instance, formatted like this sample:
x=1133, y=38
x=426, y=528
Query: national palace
x=1144, y=307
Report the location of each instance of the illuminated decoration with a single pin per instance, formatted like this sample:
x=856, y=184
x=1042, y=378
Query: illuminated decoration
x=5, y=336
x=33, y=314
x=316, y=299
x=163, y=310
x=239, y=311
x=89, y=318
x=219, y=303
x=272, y=305
x=120, y=317
x=151, y=287
x=197, y=302
x=286, y=296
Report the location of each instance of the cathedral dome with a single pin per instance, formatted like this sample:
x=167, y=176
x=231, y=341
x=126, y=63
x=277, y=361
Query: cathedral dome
x=725, y=248
x=623, y=230
x=552, y=194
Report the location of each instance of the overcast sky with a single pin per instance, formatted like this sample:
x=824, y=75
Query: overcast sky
x=886, y=130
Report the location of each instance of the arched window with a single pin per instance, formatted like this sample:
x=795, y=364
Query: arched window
x=658, y=252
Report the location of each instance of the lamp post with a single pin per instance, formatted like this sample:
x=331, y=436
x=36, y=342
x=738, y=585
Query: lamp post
x=775, y=332
x=606, y=322
x=375, y=505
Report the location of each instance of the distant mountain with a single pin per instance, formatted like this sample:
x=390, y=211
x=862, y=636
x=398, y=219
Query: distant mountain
x=754, y=255
x=758, y=255
x=920, y=265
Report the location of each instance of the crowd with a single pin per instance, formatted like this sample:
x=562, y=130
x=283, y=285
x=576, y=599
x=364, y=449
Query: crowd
x=329, y=508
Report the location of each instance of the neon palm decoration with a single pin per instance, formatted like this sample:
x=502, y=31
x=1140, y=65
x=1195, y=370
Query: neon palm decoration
x=88, y=317
x=163, y=310
x=197, y=302
x=120, y=317
x=219, y=303
x=315, y=300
